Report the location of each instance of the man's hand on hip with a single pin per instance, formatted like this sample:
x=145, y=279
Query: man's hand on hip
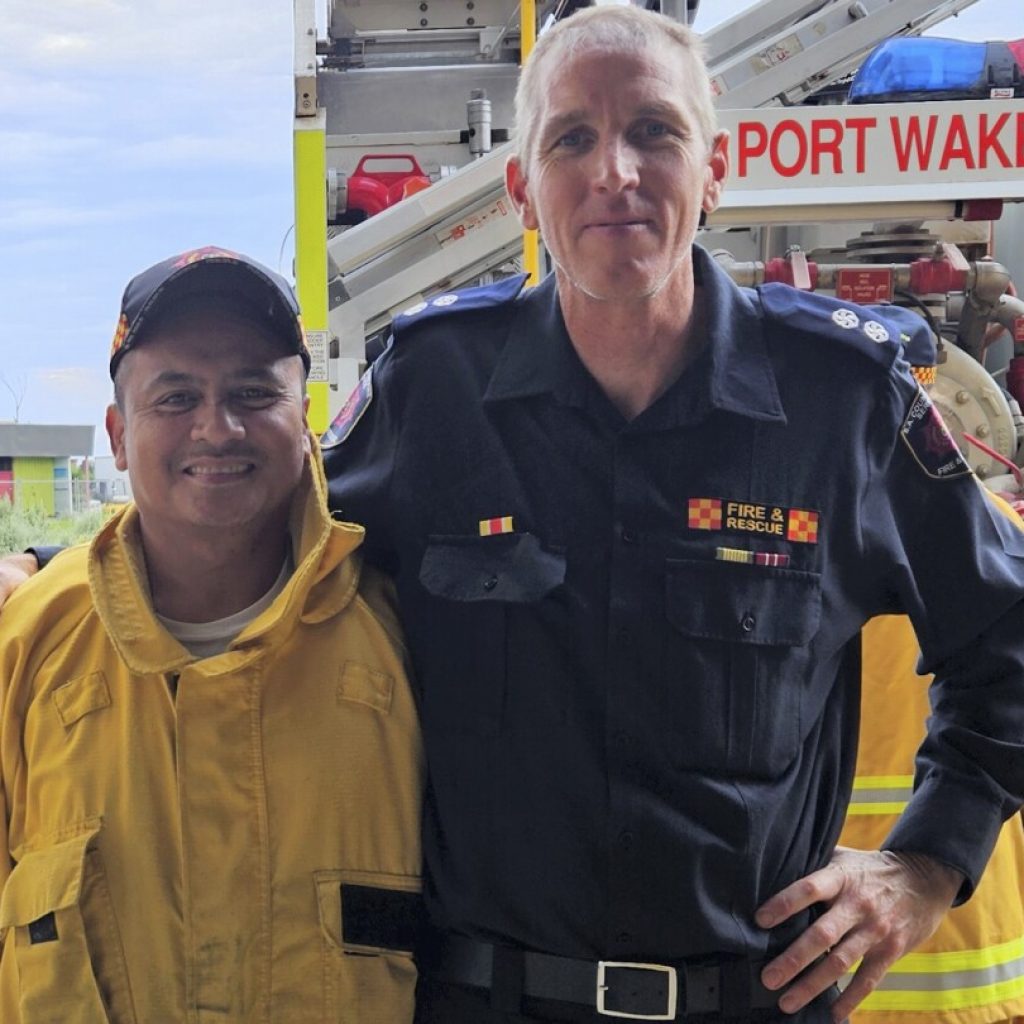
x=880, y=906
x=14, y=570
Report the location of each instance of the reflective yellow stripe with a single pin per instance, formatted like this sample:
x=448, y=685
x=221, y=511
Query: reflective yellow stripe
x=883, y=782
x=960, y=959
x=880, y=794
x=952, y=980
x=876, y=808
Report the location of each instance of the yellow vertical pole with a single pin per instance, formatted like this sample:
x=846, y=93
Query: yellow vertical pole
x=309, y=155
x=310, y=162
x=527, y=37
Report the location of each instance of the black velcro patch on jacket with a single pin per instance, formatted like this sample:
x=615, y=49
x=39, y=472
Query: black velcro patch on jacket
x=384, y=918
x=44, y=929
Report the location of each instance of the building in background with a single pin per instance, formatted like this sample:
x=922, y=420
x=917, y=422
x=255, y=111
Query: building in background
x=36, y=466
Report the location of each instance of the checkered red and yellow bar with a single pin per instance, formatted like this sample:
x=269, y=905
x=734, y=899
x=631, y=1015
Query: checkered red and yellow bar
x=802, y=526
x=704, y=514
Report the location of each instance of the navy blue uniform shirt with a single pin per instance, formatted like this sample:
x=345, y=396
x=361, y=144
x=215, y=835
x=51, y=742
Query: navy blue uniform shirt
x=636, y=641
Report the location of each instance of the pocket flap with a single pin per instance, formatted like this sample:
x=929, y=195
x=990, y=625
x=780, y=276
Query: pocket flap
x=361, y=684
x=509, y=567
x=743, y=603
x=44, y=880
x=80, y=696
x=370, y=911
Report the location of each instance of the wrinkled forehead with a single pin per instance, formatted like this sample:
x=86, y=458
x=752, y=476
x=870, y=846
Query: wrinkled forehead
x=657, y=81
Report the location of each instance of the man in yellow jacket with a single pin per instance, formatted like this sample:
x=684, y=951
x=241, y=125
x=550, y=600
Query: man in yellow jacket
x=971, y=971
x=210, y=770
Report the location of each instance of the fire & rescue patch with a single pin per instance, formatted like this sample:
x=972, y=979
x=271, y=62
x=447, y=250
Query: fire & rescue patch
x=930, y=442
x=799, y=525
x=351, y=412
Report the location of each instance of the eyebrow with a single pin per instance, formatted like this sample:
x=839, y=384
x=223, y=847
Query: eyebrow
x=172, y=378
x=559, y=123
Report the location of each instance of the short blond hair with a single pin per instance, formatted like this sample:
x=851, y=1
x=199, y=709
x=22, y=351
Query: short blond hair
x=624, y=29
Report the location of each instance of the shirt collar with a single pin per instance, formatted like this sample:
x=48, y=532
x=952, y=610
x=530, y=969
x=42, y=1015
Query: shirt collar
x=733, y=372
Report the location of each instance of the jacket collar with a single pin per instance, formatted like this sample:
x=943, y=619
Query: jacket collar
x=325, y=580
x=733, y=372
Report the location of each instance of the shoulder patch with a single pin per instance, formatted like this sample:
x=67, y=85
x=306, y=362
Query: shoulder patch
x=351, y=412
x=929, y=441
x=869, y=330
x=484, y=297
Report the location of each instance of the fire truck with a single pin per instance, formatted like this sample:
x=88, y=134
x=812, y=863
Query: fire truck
x=899, y=183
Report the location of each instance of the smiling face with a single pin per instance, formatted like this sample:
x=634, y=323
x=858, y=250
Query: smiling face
x=211, y=429
x=618, y=172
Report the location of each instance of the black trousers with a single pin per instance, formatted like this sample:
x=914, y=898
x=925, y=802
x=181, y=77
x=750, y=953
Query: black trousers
x=441, y=1003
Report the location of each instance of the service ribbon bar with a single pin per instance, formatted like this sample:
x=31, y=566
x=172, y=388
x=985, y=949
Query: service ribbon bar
x=490, y=527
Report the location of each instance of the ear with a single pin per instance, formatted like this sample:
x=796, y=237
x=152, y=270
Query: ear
x=716, y=172
x=115, y=431
x=516, y=186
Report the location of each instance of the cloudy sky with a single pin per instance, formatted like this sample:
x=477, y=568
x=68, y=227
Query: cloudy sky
x=134, y=129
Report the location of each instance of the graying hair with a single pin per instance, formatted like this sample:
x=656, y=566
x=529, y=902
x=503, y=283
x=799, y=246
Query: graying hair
x=620, y=29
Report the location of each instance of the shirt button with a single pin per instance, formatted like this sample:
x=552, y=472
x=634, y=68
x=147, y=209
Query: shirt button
x=624, y=937
x=624, y=635
x=626, y=840
x=490, y=583
x=628, y=535
x=748, y=623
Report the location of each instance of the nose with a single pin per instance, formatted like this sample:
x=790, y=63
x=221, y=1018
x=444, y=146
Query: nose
x=216, y=423
x=616, y=165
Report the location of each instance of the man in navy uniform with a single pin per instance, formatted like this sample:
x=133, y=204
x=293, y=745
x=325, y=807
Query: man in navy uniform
x=636, y=518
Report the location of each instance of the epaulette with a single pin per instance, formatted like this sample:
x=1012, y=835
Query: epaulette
x=879, y=332
x=481, y=297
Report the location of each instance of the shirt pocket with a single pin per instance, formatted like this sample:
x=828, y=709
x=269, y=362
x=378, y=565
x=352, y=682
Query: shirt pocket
x=369, y=922
x=741, y=644
x=56, y=910
x=486, y=614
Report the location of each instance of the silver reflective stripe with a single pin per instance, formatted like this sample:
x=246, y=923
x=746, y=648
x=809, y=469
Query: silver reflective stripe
x=931, y=981
x=899, y=794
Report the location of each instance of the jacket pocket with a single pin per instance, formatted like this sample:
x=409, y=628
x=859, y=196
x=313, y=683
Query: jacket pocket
x=368, y=925
x=490, y=607
x=56, y=909
x=741, y=644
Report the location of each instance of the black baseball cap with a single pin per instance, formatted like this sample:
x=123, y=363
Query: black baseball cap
x=209, y=271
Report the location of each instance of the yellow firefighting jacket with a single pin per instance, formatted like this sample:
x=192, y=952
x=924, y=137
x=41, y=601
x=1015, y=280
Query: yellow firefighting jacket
x=244, y=850
x=972, y=970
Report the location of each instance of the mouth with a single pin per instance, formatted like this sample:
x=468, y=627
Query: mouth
x=213, y=472
x=619, y=224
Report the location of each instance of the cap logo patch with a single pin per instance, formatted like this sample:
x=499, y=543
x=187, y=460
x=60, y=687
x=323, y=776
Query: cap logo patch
x=206, y=253
x=793, y=524
x=846, y=318
x=413, y=310
x=119, y=335
x=929, y=441
x=445, y=300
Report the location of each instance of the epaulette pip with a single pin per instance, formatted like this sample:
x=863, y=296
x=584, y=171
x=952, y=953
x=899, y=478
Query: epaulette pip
x=880, y=332
x=481, y=297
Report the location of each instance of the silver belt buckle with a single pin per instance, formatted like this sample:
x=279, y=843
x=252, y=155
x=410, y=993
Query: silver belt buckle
x=602, y=987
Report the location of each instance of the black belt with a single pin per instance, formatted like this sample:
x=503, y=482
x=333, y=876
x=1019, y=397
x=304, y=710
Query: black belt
x=641, y=991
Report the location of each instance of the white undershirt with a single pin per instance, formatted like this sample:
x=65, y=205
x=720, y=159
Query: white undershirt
x=205, y=639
